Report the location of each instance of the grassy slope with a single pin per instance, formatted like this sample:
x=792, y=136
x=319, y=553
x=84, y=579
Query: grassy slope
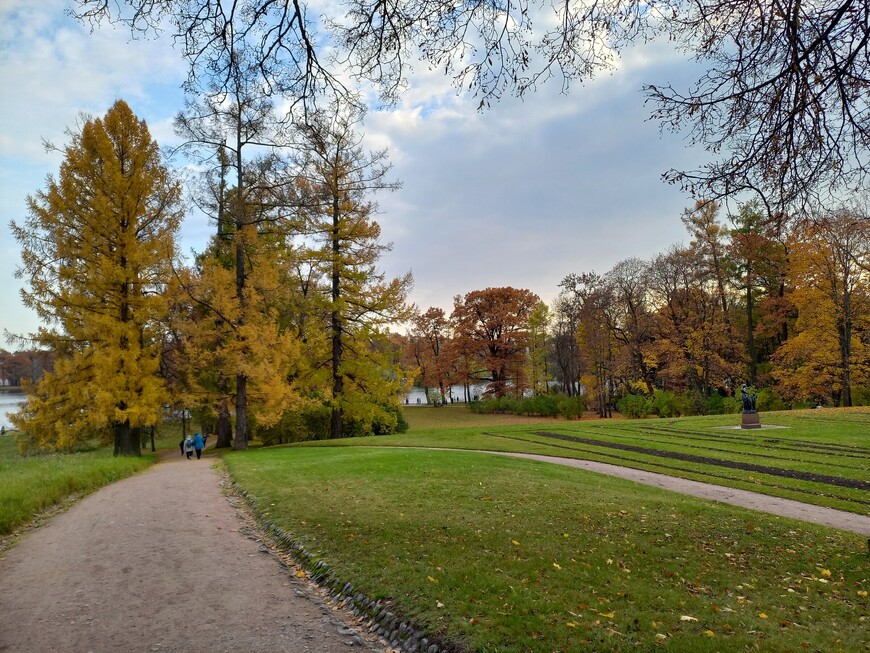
x=830, y=442
x=509, y=555
x=29, y=485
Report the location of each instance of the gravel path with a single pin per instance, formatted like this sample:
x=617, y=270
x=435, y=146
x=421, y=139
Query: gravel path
x=160, y=561
x=846, y=521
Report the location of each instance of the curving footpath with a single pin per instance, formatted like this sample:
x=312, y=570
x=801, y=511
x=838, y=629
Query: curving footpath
x=846, y=521
x=159, y=561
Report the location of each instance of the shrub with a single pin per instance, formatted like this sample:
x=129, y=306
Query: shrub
x=715, y=404
x=634, y=406
x=663, y=403
x=769, y=400
x=572, y=407
x=540, y=406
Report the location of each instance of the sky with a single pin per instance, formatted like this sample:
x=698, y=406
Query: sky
x=521, y=194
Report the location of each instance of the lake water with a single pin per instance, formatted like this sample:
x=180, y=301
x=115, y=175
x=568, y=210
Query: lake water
x=9, y=402
x=418, y=397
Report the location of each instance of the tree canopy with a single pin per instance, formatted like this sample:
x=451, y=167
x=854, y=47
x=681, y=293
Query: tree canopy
x=97, y=250
x=781, y=103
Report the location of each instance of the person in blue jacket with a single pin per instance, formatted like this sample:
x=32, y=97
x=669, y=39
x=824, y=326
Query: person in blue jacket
x=198, y=444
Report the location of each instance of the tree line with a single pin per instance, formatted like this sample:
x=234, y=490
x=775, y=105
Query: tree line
x=779, y=303
x=278, y=326
x=285, y=313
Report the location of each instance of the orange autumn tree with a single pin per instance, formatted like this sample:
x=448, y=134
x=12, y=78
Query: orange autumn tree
x=829, y=353
x=428, y=342
x=494, y=325
x=97, y=249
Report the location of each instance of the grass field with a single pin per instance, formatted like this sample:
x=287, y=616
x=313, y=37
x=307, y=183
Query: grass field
x=504, y=555
x=814, y=456
x=32, y=484
x=29, y=485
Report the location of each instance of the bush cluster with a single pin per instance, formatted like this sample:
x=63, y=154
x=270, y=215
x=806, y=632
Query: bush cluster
x=313, y=423
x=536, y=406
x=664, y=403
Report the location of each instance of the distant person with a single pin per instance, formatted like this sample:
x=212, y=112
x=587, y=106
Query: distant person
x=181, y=446
x=198, y=444
x=2, y=430
x=188, y=446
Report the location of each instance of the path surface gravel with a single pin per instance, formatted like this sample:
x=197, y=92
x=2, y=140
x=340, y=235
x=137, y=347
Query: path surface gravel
x=160, y=562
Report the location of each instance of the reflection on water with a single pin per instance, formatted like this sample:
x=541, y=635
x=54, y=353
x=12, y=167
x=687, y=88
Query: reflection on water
x=9, y=402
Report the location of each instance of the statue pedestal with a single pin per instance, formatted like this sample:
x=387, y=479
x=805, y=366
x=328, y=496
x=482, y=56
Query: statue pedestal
x=750, y=420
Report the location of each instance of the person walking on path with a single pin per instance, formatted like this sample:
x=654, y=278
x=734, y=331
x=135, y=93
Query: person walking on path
x=198, y=444
x=89, y=579
x=188, y=446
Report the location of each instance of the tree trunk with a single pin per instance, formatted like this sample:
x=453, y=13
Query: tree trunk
x=224, y=426
x=241, y=412
x=336, y=428
x=750, y=338
x=126, y=440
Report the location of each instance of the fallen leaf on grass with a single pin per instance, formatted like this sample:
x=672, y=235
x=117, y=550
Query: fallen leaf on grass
x=557, y=565
x=709, y=633
x=432, y=580
x=686, y=617
x=572, y=624
x=761, y=615
x=515, y=543
x=608, y=615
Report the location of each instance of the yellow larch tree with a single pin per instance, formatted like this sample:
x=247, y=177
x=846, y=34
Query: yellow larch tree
x=97, y=248
x=343, y=244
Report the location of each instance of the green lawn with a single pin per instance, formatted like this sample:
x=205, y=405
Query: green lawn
x=497, y=554
x=818, y=456
x=31, y=484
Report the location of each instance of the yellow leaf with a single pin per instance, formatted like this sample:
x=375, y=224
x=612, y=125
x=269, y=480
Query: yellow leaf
x=432, y=580
x=608, y=615
x=762, y=615
x=557, y=565
x=709, y=633
x=862, y=593
x=826, y=573
x=515, y=543
x=300, y=574
x=572, y=624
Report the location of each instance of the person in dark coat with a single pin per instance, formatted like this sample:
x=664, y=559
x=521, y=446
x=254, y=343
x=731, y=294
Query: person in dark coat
x=198, y=444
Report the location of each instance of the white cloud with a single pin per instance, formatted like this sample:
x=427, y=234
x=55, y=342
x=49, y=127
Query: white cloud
x=520, y=194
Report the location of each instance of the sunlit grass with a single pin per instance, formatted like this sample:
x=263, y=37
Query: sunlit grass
x=508, y=555
x=833, y=443
x=31, y=484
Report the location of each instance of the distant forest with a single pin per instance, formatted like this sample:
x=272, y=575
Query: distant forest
x=780, y=304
